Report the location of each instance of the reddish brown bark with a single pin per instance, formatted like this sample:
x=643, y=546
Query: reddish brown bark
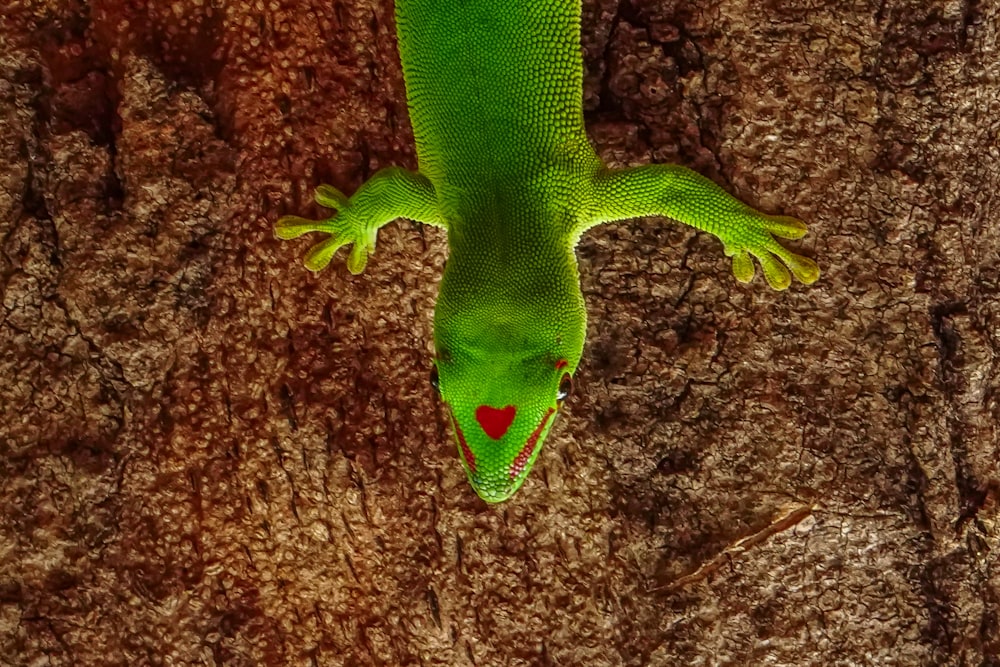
x=210, y=456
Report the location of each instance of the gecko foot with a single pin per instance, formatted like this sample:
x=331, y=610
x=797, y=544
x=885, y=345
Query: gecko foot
x=342, y=228
x=758, y=241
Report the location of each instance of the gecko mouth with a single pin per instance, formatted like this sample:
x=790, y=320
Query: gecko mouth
x=522, y=458
x=470, y=458
x=494, y=486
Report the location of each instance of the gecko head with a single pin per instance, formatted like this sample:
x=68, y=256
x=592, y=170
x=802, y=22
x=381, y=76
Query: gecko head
x=504, y=378
x=508, y=338
x=502, y=408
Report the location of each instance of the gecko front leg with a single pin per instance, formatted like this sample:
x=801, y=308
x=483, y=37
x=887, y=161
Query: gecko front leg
x=679, y=193
x=389, y=194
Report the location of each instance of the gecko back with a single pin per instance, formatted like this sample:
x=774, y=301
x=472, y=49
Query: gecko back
x=493, y=86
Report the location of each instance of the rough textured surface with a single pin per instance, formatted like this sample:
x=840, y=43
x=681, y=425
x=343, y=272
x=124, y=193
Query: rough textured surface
x=211, y=457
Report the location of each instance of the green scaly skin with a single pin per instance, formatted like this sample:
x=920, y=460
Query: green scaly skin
x=495, y=97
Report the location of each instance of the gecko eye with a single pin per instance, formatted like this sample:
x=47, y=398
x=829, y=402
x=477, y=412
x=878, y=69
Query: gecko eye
x=435, y=382
x=565, y=388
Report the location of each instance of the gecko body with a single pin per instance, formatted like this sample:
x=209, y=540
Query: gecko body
x=495, y=95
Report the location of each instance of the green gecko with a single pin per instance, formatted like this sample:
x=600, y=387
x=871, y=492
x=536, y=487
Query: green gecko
x=495, y=94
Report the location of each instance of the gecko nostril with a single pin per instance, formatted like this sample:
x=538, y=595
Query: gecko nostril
x=495, y=421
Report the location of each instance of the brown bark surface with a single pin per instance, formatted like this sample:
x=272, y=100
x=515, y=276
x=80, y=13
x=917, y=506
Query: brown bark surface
x=212, y=457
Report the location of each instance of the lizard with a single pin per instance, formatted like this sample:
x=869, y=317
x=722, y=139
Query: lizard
x=494, y=91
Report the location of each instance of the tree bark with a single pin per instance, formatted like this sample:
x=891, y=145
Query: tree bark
x=212, y=457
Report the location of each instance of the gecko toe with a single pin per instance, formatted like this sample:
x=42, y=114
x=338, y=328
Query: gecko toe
x=775, y=273
x=743, y=267
x=292, y=227
x=320, y=254
x=330, y=197
x=805, y=269
x=785, y=227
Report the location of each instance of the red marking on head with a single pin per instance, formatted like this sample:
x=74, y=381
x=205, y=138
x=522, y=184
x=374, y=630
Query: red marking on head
x=561, y=364
x=470, y=458
x=517, y=467
x=495, y=421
